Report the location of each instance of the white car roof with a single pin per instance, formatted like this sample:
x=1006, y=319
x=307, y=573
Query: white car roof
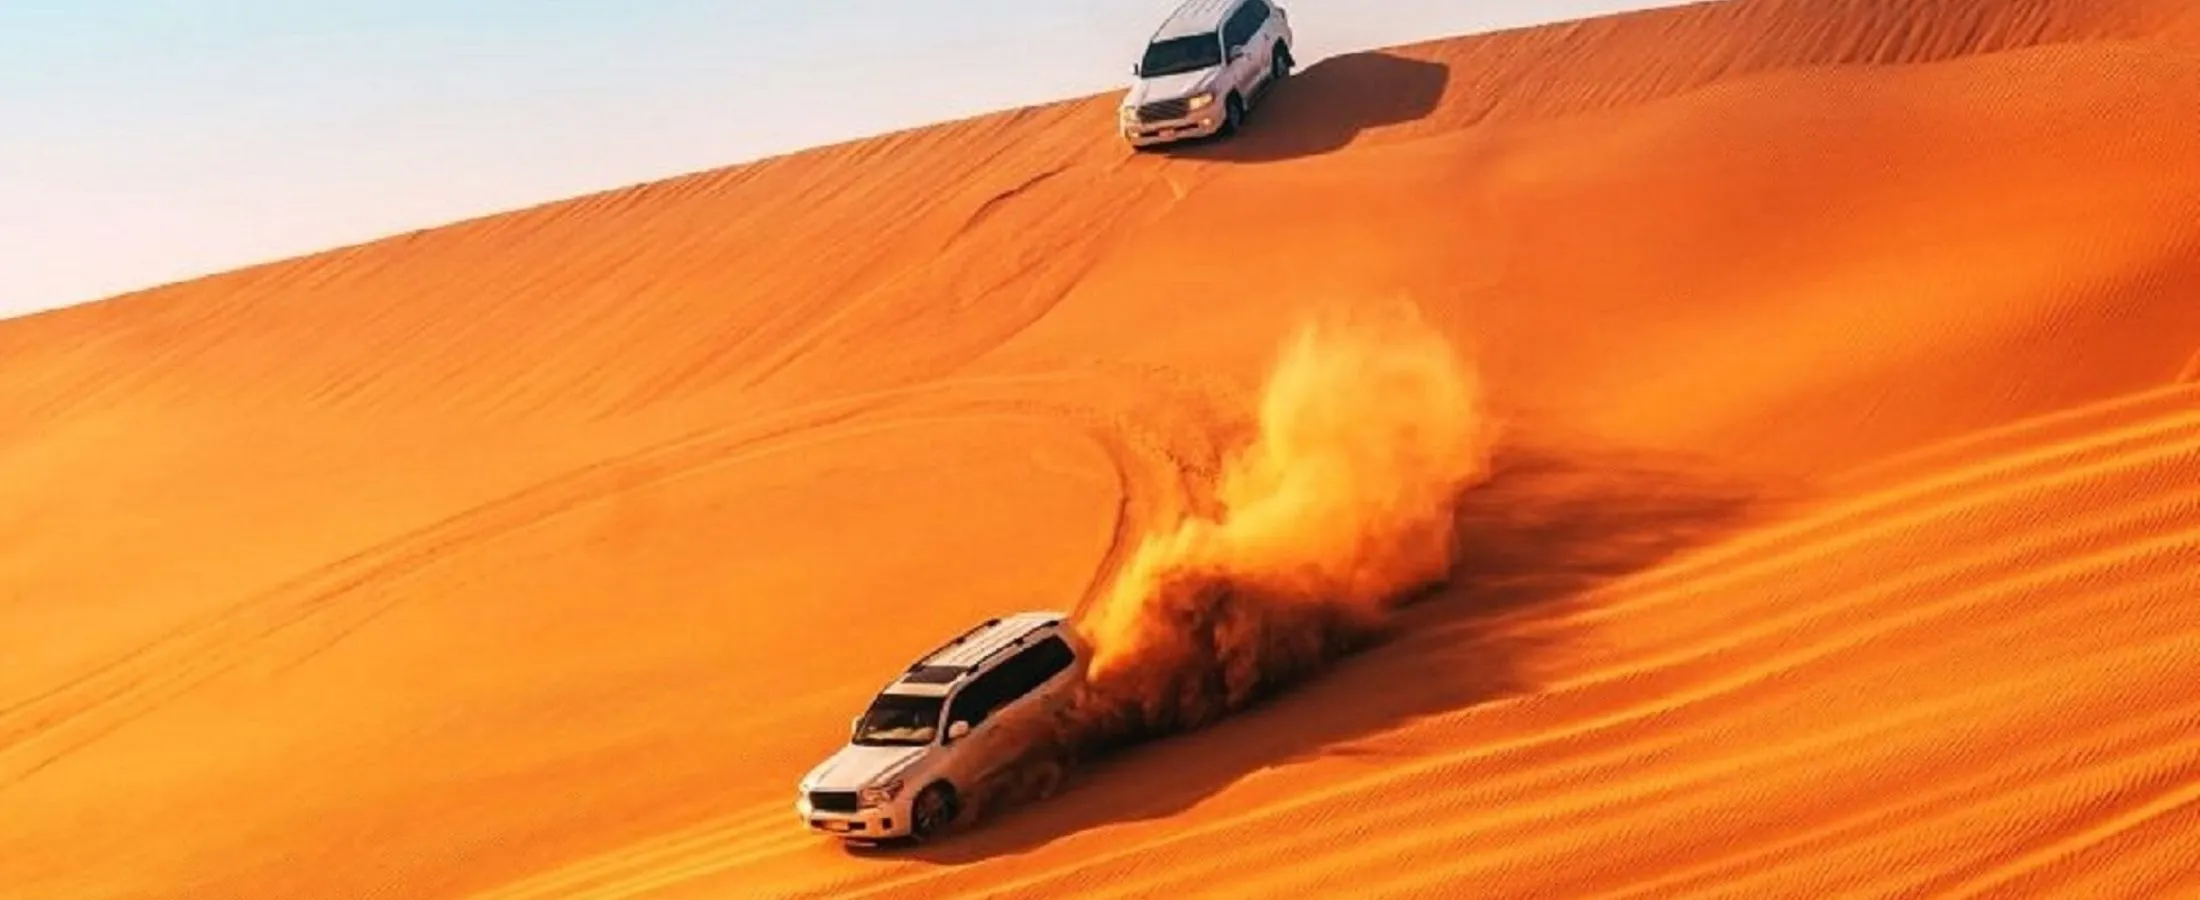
x=935, y=673
x=1195, y=17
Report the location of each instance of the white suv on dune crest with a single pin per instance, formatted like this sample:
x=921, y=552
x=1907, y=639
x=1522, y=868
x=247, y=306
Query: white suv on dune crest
x=1203, y=68
x=903, y=773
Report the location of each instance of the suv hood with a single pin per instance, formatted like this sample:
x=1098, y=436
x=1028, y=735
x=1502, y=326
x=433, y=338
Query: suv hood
x=1170, y=87
x=855, y=766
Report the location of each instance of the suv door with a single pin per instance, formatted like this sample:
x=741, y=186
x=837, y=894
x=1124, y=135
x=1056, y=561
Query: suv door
x=976, y=704
x=1006, y=709
x=1241, y=33
x=1260, y=38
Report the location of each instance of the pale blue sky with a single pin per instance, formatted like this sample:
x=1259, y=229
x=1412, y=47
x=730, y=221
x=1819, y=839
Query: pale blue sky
x=147, y=141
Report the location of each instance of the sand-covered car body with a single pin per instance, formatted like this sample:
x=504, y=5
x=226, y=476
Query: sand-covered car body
x=944, y=725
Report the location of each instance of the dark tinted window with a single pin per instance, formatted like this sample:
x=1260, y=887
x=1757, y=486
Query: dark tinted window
x=1035, y=665
x=932, y=674
x=1048, y=659
x=979, y=699
x=1176, y=55
x=1011, y=680
x=1244, y=23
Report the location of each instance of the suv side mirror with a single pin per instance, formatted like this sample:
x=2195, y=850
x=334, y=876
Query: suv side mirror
x=957, y=729
x=1237, y=53
x=854, y=722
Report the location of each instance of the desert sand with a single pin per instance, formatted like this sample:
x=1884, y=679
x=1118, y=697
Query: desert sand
x=1809, y=505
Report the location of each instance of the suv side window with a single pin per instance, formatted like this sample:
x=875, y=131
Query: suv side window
x=976, y=702
x=1048, y=658
x=1017, y=676
x=1234, y=31
x=1012, y=679
x=1256, y=14
x=1040, y=662
x=1239, y=29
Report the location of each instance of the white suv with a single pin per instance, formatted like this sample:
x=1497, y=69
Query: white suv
x=902, y=774
x=1204, y=67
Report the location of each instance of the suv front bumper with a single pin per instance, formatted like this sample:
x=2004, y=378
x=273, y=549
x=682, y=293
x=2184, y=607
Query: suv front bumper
x=1203, y=123
x=889, y=821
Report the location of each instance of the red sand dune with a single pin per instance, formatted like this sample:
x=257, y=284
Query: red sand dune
x=1841, y=533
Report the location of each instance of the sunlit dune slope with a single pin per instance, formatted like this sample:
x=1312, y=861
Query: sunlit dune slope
x=1843, y=533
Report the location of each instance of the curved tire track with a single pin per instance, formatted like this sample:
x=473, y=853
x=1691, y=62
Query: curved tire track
x=1582, y=768
x=333, y=600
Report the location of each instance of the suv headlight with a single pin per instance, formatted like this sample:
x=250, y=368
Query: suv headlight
x=880, y=794
x=1199, y=102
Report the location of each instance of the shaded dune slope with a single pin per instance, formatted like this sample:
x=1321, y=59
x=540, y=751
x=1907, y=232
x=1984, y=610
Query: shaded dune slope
x=1845, y=533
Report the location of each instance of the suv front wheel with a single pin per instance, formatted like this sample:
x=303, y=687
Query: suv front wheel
x=933, y=809
x=1233, y=114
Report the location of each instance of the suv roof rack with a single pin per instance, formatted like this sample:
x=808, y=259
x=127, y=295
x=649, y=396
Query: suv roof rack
x=952, y=643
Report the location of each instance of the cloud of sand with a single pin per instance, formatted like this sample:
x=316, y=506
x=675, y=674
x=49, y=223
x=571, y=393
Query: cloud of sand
x=1370, y=428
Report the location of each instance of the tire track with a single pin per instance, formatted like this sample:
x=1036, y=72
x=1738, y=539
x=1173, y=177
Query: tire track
x=1572, y=814
x=335, y=599
x=731, y=840
x=1367, y=815
x=2141, y=554
x=108, y=697
x=1164, y=457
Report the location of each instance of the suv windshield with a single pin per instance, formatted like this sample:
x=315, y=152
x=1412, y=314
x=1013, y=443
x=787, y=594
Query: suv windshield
x=1179, y=55
x=898, y=720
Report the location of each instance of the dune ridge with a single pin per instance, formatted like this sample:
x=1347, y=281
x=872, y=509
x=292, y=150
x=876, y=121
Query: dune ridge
x=1840, y=535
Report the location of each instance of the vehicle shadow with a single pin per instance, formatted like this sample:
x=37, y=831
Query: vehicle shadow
x=1543, y=530
x=1323, y=107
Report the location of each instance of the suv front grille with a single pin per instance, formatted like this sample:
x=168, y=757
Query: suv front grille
x=833, y=801
x=1163, y=110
